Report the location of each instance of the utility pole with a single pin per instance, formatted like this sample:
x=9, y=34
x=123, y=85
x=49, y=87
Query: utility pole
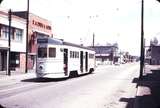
x=27, y=26
x=93, y=39
x=9, y=42
x=142, y=41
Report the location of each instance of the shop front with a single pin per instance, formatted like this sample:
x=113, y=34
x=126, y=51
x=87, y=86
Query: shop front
x=3, y=59
x=12, y=60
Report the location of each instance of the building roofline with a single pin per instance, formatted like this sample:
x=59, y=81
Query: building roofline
x=5, y=12
x=30, y=13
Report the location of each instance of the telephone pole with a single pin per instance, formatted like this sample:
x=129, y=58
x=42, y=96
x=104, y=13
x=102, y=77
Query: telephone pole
x=9, y=42
x=93, y=39
x=27, y=26
x=142, y=41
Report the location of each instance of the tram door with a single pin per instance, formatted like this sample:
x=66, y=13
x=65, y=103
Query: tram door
x=81, y=61
x=65, y=61
x=86, y=62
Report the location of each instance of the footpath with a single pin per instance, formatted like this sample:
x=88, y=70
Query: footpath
x=148, y=89
x=15, y=78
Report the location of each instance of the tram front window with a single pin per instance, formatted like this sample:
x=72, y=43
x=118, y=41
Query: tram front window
x=42, y=52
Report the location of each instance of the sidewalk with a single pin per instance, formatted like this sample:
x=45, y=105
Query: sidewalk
x=148, y=89
x=6, y=80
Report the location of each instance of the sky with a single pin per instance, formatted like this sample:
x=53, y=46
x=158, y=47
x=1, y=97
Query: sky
x=110, y=20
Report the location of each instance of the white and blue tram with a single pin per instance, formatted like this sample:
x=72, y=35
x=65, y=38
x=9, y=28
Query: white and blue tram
x=59, y=59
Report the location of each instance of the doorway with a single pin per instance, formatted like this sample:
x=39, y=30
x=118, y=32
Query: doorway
x=65, y=61
x=81, y=61
x=86, y=62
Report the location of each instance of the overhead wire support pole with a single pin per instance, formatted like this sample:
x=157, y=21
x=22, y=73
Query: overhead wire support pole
x=9, y=42
x=93, y=40
x=27, y=26
x=142, y=41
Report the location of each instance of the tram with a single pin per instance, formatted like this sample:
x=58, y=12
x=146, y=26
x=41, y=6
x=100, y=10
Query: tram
x=59, y=59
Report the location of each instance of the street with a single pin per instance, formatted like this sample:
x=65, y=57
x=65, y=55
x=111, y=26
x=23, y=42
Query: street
x=109, y=86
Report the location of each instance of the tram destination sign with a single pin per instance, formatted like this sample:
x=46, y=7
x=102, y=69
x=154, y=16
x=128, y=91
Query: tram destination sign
x=42, y=40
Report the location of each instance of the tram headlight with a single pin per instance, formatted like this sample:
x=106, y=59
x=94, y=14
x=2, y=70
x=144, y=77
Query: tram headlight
x=40, y=67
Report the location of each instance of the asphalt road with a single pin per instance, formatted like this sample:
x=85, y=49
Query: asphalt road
x=107, y=87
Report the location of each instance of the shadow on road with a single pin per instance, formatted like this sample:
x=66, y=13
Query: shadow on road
x=149, y=96
x=43, y=80
x=148, y=91
x=130, y=102
x=1, y=106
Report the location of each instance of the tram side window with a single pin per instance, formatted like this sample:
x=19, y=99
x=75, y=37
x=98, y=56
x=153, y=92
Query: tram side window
x=42, y=52
x=91, y=56
x=52, y=52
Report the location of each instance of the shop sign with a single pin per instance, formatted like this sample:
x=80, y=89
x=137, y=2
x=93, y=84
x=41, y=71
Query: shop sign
x=41, y=25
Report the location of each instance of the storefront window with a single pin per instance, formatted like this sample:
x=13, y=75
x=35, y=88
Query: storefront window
x=15, y=60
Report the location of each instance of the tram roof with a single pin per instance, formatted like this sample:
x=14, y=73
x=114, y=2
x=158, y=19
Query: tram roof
x=48, y=40
x=55, y=41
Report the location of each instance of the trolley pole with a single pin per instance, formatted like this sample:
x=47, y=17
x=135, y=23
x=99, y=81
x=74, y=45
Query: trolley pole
x=9, y=42
x=27, y=26
x=142, y=41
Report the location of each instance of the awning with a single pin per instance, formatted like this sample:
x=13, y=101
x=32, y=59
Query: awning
x=4, y=48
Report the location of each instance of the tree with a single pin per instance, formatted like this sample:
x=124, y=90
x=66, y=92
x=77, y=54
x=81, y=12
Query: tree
x=155, y=41
x=115, y=44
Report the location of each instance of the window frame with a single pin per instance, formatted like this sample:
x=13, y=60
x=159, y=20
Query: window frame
x=54, y=54
x=44, y=55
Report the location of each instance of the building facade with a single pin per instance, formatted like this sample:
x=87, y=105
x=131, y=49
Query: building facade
x=153, y=55
x=38, y=27
x=106, y=54
x=18, y=42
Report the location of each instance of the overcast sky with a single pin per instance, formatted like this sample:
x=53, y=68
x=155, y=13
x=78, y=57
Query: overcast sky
x=110, y=20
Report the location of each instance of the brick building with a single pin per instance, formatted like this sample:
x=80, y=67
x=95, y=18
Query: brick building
x=38, y=27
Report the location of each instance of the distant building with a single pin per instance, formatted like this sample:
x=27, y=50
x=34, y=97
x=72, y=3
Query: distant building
x=38, y=27
x=18, y=42
x=106, y=54
x=153, y=55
